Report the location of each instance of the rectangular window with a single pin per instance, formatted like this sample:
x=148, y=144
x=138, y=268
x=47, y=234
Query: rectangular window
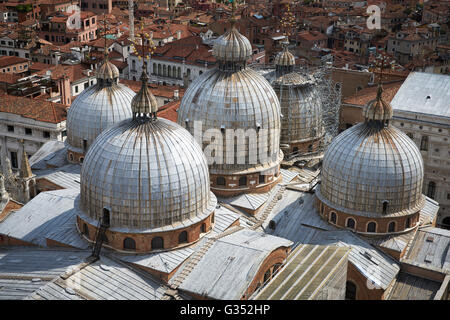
x=10, y=128
x=28, y=131
x=14, y=163
x=46, y=134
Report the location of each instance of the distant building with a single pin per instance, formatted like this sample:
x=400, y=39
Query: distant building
x=14, y=65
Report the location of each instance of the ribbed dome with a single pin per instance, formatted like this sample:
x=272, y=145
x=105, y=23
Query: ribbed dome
x=150, y=174
x=240, y=100
x=368, y=164
x=144, y=102
x=232, y=47
x=285, y=57
x=301, y=108
x=96, y=109
x=378, y=109
x=107, y=71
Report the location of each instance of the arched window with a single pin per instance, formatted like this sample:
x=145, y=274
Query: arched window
x=351, y=223
x=129, y=244
x=408, y=223
x=243, y=181
x=262, y=178
x=385, y=206
x=203, y=228
x=183, y=237
x=106, y=217
x=310, y=148
x=81, y=159
x=333, y=217
x=267, y=276
x=212, y=218
x=431, y=189
x=371, y=227
x=70, y=157
x=220, y=181
x=295, y=149
x=85, y=230
x=276, y=267
x=157, y=243
x=391, y=226
x=350, y=291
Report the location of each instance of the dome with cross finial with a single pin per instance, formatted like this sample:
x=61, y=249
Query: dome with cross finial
x=96, y=109
x=151, y=177
x=373, y=171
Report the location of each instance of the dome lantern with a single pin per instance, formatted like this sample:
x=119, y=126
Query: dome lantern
x=378, y=110
x=284, y=60
x=144, y=103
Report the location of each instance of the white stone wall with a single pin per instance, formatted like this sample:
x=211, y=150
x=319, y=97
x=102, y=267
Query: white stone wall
x=10, y=141
x=437, y=156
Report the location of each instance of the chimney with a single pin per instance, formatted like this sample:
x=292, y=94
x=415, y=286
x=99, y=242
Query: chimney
x=64, y=90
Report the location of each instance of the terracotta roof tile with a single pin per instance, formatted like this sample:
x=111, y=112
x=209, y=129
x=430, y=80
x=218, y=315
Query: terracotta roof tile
x=38, y=110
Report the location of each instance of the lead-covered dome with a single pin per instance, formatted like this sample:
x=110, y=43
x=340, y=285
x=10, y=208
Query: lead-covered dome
x=96, y=109
x=302, y=128
x=227, y=99
x=151, y=178
x=148, y=174
x=373, y=170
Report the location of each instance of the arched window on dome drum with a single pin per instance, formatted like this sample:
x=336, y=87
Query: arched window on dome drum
x=350, y=291
x=85, y=230
x=243, y=181
x=385, y=206
x=262, y=178
x=71, y=157
x=220, y=181
x=371, y=227
x=203, y=228
x=267, y=276
x=431, y=190
x=81, y=159
x=295, y=149
x=391, y=226
x=106, y=217
x=157, y=243
x=350, y=223
x=154, y=68
x=446, y=223
x=408, y=223
x=183, y=237
x=129, y=244
x=310, y=148
x=333, y=217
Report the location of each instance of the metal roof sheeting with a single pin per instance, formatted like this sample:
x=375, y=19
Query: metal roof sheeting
x=305, y=273
x=230, y=264
x=49, y=214
x=412, y=95
x=105, y=279
x=374, y=265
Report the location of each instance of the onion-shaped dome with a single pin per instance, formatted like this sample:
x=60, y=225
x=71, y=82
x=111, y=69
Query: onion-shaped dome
x=234, y=97
x=107, y=71
x=301, y=108
x=284, y=60
x=149, y=173
x=144, y=102
x=97, y=108
x=373, y=169
x=232, y=47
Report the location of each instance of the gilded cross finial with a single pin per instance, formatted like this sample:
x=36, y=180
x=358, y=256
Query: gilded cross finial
x=381, y=62
x=143, y=45
x=104, y=30
x=233, y=11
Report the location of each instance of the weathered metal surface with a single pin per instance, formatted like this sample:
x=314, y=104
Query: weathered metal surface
x=149, y=174
x=230, y=264
x=306, y=272
x=107, y=71
x=96, y=109
x=301, y=107
x=238, y=98
x=366, y=165
x=67, y=177
x=105, y=279
x=48, y=152
x=426, y=93
x=44, y=216
x=374, y=265
x=24, y=270
x=431, y=248
x=410, y=287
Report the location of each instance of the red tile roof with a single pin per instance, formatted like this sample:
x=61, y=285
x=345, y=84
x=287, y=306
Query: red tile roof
x=11, y=60
x=362, y=97
x=169, y=111
x=38, y=110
